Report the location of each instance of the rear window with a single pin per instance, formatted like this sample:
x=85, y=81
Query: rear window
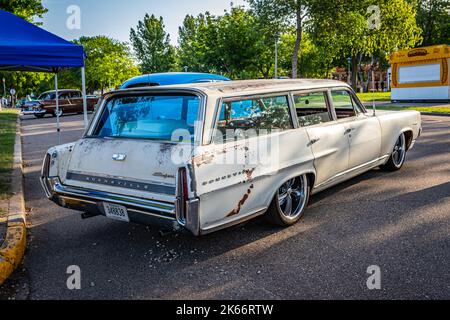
x=152, y=117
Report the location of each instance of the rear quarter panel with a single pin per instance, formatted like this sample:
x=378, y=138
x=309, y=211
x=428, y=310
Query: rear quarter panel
x=393, y=123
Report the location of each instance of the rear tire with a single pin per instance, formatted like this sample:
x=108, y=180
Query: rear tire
x=398, y=156
x=290, y=202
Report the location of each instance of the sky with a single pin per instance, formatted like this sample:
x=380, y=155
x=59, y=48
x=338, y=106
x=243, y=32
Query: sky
x=115, y=18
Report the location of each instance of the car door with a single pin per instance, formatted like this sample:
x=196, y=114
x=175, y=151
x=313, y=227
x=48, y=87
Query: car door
x=362, y=130
x=76, y=101
x=64, y=102
x=327, y=137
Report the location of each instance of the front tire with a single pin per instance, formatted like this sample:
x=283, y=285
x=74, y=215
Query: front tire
x=290, y=202
x=398, y=156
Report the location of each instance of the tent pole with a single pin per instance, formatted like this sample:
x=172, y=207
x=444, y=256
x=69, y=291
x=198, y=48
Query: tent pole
x=83, y=84
x=58, y=128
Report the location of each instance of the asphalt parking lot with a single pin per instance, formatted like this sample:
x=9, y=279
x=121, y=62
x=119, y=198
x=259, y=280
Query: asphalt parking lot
x=397, y=221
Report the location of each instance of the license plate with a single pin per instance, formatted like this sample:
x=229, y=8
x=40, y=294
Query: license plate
x=116, y=212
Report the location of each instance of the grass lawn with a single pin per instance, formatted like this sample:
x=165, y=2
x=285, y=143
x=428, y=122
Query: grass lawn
x=379, y=96
x=8, y=120
x=443, y=110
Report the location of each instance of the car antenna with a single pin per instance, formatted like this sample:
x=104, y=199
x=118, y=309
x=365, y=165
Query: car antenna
x=373, y=88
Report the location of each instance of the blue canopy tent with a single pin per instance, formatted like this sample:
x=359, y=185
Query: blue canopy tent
x=26, y=47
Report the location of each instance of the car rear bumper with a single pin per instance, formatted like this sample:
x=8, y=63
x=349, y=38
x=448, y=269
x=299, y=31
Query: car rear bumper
x=144, y=211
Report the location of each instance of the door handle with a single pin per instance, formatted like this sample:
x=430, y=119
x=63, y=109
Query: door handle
x=350, y=130
x=313, y=141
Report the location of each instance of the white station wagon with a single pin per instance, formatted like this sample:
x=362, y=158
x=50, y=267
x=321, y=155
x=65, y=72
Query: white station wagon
x=203, y=157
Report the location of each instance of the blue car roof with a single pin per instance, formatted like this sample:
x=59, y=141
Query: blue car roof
x=169, y=78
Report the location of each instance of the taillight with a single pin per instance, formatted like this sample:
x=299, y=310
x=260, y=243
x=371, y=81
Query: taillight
x=46, y=167
x=183, y=194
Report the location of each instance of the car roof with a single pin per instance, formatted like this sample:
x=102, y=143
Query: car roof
x=247, y=87
x=61, y=90
x=170, y=78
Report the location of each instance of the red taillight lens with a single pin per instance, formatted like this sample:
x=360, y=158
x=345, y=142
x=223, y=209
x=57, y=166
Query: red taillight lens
x=183, y=193
x=185, y=185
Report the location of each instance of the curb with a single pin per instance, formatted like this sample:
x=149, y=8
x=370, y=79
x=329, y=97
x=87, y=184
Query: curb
x=13, y=248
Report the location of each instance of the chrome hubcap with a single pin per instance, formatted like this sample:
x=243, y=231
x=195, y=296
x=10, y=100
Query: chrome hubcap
x=398, y=156
x=292, y=197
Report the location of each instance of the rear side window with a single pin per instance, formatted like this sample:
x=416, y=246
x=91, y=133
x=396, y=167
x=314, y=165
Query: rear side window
x=244, y=118
x=344, y=104
x=312, y=108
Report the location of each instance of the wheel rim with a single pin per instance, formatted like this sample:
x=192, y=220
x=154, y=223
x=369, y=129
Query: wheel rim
x=292, y=197
x=398, y=156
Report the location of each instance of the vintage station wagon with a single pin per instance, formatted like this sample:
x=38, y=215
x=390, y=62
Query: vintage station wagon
x=201, y=157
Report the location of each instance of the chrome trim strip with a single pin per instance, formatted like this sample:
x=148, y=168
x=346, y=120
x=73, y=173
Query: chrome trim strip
x=121, y=183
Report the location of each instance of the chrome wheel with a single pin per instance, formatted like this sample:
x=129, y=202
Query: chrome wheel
x=292, y=197
x=399, y=153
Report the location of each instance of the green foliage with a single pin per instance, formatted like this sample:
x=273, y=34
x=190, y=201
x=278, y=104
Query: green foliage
x=198, y=38
x=344, y=29
x=238, y=44
x=377, y=96
x=108, y=65
x=26, y=9
x=433, y=17
x=344, y=26
x=7, y=138
x=282, y=13
x=152, y=46
x=25, y=82
x=312, y=60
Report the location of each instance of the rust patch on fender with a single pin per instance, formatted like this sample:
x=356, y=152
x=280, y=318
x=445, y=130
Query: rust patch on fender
x=203, y=159
x=244, y=199
x=249, y=173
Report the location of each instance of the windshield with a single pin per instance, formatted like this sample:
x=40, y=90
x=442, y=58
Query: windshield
x=153, y=117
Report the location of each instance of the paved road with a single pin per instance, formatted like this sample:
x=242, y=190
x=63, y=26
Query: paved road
x=398, y=221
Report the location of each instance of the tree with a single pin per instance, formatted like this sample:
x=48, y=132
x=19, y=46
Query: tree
x=197, y=39
x=26, y=82
x=108, y=64
x=152, y=46
x=313, y=60
x=357, y=29
x=26, y=9
x=239, y=46
x=282, y=12
x=433, y=17
x=236, y=44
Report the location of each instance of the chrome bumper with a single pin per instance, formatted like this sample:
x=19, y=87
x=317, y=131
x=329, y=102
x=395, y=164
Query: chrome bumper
x=140, y=210
x=33, y=112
